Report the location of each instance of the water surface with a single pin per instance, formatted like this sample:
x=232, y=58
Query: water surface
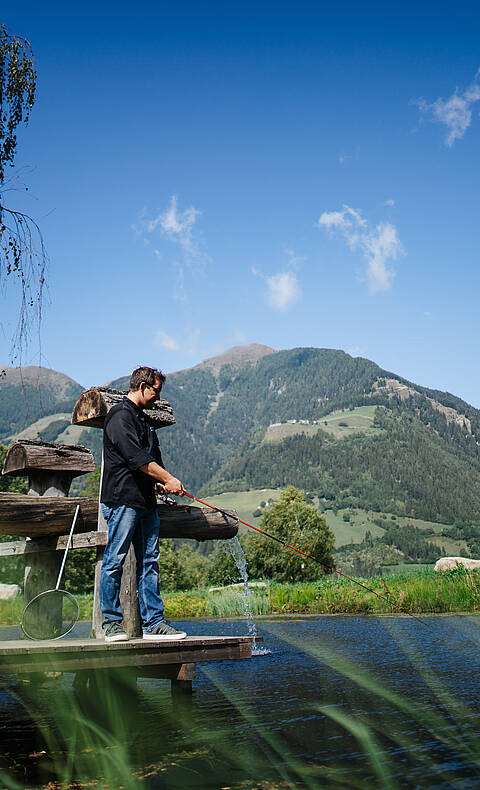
x=269, y=719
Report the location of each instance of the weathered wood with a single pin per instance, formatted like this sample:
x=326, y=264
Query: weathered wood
x=199, y=523
x=94, y=404
x=132, y=622
x=26, y=455
x=50, y=467
x=85, y=540
x=102, y=527
x=49, y=483
x=24, y=515
x=36, y=516
x=72, y=655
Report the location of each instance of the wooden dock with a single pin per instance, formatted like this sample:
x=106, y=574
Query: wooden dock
x=175, y=660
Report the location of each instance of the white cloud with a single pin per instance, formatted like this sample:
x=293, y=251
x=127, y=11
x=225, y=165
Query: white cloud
x=455, y=112
x=162, y=340
x=389, y=202
x=283, y=290
x=175, y=225
x=379, y=245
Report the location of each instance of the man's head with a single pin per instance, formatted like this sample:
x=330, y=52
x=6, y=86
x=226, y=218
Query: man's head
x=145, y=386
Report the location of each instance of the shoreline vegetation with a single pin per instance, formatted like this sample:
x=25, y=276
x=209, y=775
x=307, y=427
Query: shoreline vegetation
x=425, y=592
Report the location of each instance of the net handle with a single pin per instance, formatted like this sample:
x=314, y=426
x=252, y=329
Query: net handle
x=68, y=545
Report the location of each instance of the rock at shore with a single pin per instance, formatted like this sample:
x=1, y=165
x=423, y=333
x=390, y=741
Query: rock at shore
x=449, y=563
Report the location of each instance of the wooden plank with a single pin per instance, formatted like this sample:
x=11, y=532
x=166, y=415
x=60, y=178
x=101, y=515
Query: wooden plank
x=21, y=646
x=49, y=656
x=24, y=515
x=94, y=404
x=86, y=540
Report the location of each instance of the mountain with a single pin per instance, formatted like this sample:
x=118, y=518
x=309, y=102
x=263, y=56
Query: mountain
x=349, y=432
x=30, y=393
x=339, y=426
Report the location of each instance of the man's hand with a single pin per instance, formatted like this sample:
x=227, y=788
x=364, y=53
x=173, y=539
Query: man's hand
x=173, y=486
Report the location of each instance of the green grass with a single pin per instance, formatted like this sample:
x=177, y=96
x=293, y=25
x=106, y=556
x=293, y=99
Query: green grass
x=245, y=502
x=275, y=433
x=339, y=425
x=352, y=531
x=357, y=420
x=413, y=591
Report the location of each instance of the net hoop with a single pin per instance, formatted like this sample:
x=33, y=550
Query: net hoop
x=30, y=606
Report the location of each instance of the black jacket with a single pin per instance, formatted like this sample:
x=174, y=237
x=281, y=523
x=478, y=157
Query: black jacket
x=129, y=442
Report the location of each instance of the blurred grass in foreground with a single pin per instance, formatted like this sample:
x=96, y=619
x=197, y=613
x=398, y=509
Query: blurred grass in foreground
x=114, y=734
x=427, y=591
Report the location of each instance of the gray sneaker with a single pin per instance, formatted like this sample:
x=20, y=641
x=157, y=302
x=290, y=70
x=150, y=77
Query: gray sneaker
x=164, y=631
x=113, y=632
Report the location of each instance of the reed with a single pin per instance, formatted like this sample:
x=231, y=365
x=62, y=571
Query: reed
x=410, y=593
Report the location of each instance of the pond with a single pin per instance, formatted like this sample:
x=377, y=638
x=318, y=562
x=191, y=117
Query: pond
x=341, y=702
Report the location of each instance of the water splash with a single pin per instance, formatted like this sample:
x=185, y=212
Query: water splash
x=234, y=548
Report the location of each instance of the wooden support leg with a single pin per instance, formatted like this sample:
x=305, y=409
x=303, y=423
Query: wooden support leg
x=41, y=573
x=182, y=683
x=132, y=622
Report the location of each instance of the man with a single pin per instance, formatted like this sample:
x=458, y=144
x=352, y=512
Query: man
x=132, y=469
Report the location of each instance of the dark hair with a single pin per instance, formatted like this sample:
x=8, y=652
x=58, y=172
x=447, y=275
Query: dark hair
x=148, y=375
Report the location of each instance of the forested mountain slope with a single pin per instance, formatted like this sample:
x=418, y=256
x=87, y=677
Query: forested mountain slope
x=420, y=456
x=26, y=394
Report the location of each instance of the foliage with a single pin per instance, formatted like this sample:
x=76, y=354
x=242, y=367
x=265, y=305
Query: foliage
x=292, y=520
x=193, y=567
x=21, y=245
x=53, y=430
x=222, y=570
x=92, y=483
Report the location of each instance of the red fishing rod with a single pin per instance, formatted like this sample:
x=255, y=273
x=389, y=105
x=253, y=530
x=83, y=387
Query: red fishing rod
x=286, y=545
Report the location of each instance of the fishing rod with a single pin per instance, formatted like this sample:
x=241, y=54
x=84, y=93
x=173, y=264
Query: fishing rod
x=286, y=545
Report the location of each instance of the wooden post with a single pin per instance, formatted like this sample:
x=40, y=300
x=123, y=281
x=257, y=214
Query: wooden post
x=132, y=622
x=182, y=684
x=41, y=570
x=50, y=469
x=97, y=618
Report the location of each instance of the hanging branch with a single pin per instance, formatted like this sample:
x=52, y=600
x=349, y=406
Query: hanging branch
x=22, y=251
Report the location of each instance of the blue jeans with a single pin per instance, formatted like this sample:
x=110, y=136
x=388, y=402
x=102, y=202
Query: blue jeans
x=127, y=525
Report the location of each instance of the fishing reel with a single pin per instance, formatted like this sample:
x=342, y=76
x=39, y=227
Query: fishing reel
x=167, y=499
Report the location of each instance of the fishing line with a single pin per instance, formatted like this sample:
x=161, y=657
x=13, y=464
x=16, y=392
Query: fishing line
x=329, y=568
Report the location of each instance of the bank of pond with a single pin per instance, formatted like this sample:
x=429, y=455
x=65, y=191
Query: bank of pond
x=423, y=592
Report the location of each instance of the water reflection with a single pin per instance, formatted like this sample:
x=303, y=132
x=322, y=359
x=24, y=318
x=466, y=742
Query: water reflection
x=277, y=717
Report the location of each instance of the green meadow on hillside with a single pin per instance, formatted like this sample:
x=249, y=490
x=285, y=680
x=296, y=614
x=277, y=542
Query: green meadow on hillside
x=348, y=525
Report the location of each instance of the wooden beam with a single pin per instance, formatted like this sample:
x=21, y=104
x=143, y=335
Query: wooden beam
x=26, y=455
x=94, y=404
x=35, y=517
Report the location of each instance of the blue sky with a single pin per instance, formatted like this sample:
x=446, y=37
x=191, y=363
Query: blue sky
x=295, y=174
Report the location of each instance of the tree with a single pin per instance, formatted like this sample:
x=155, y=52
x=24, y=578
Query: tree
x=300, y=524
x=22, y=253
